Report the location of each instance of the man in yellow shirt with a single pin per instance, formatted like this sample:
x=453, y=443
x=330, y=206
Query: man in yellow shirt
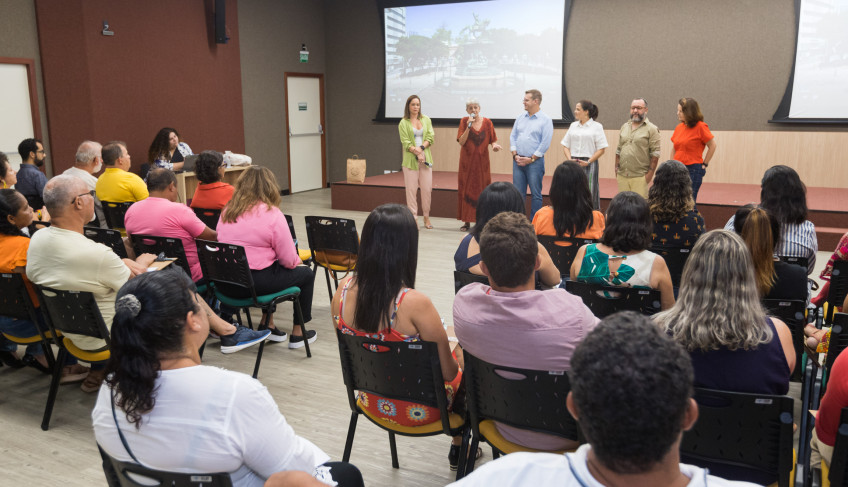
x=117, y=184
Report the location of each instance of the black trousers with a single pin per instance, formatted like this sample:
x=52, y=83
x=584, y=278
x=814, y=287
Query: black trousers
x=275, y=278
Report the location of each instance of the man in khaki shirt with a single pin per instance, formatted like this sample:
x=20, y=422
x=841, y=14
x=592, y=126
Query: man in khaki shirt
x=638, y=150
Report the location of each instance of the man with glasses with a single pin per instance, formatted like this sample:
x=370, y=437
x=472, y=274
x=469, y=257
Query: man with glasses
x=87, y=163
x=117, y=184
x=638, y=150
x=31, y=180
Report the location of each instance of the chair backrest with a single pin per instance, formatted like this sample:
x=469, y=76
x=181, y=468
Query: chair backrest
x=108, y=237
x=838, y=343
x=115, y=212
x=208, y=216
x=563, y=255
x=224, y=264
x=839, y=462
x=14, y=298
x=675, y=259
x=791, y=312
x=408, y=371
x=838, y=284
x=128, y=474
x=290, y=222
x=332, y=240
x=72, y=312
x=462, y=279
x=172, y=248
x=529, y=399
x=606, y=300
x=791, y=259
x=741, y=435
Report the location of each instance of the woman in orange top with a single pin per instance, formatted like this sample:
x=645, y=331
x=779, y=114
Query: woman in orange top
x=689, y=138
x=211, y=193
x=570, y=213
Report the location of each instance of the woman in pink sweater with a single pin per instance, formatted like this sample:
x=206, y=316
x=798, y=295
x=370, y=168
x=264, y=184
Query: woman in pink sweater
x=253, y=220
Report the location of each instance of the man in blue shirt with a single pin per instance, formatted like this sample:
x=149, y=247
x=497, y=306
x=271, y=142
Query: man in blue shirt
x=529, y=140
x=31, y=180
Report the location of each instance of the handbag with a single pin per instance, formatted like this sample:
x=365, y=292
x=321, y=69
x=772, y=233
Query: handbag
x=355, y=169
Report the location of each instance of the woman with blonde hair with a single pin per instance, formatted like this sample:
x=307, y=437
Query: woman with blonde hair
x=253, y=220
x=718, y=317
x=475, y=135
x=416, y=137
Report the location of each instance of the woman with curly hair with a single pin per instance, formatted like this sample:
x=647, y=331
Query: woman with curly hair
x=677, y=223
x=212, y=193
x=166, y=150
x=8, y=176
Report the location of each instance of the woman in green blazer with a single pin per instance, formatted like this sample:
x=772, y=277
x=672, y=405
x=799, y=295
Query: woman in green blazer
x=416, y=137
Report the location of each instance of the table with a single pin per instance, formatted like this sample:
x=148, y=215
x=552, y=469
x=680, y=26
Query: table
x=187, y=181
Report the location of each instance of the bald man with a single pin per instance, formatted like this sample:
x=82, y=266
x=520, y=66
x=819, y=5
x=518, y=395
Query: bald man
x=87, y=163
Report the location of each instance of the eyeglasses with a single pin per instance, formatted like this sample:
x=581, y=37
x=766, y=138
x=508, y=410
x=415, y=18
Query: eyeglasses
x=638, y=108
x=91, y=193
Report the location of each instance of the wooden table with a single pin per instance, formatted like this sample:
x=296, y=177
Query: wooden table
x=187, y=181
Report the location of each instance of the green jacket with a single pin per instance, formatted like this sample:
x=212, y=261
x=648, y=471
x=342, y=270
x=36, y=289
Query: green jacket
x=407, y=140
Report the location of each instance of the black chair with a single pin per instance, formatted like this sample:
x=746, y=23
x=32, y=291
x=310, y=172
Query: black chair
x=73, y=312
x=15, y=302
x=838, y=289
x=741, y=435
x=334, y=244
x=838, y=343
x=675, y=259
x=837, y=473
x=529, y=399
x=563, y=255
x=304, y=254
x=606, y=300
x=129, y=474
x=225, y=268
x=114, y=213
x=408, y=371
x=208, y=216
x=172, y=247
x=799, y=261
x=462, y=279
x=108, y=237
x=791, y=312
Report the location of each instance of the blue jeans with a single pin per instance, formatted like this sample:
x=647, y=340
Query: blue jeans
x=531, y=174
x=19, y=328
x=696, y=174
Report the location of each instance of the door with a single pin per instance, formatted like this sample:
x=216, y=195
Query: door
x=305, y=130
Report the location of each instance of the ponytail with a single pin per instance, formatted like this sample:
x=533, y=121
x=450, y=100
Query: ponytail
x=590, y=107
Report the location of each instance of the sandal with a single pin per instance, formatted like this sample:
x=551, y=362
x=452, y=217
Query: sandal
x=427, y=224
x=74, y=373
x=11, y=360
x=31, y=361
x=93, y=381
x=453, y=456
x=464, y=227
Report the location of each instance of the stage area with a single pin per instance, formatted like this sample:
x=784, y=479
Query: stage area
x=828, y=209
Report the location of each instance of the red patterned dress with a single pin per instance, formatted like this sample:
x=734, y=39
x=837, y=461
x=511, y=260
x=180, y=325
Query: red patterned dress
x=474, y=173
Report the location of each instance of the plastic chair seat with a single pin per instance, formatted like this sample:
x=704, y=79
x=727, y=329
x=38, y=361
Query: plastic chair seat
x=27, y=340
x=433, y=428
x=305, y=255
x=264, y=299
x=494, y=437
x=84, y=355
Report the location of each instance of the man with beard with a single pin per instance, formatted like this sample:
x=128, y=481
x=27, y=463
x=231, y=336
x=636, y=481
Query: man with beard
x=31, y=180
x=638, y=150
x=88, y=162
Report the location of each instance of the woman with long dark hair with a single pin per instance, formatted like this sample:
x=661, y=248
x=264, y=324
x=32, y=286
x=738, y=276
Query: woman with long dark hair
x=175, y=414
x=167, y=151
x=783, y=195
x=585, y=143
x=677, y=223
x=690, y=137
x=498, y=197
x=622, y=257
x=380, y=301
x=570, y=213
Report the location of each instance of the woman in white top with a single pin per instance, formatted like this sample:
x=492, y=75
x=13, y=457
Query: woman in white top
x=160, y=408
x=584, y=143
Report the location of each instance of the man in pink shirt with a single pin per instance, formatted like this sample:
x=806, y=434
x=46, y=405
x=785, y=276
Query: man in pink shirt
x=511, y=323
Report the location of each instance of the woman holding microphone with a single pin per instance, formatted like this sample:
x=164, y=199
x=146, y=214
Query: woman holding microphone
x=475, y=135
x=584, y=143
x=416, y=137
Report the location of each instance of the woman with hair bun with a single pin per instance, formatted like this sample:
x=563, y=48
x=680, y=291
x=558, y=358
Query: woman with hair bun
x=177, y=415
x=585, y=143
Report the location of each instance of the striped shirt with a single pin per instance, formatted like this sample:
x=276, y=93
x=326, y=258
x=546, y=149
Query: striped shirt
x=796, y=240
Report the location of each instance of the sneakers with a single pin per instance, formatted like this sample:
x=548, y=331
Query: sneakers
x=242, y=338
x=296, y=341
x=277, y=335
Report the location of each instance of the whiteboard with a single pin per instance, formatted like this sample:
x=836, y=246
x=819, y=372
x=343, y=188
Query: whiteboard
x=15, y=105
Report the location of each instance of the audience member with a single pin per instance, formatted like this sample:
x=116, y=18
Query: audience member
x=8, y=175
x=166, y=151
x=117, y=184
x=719, y=319
x=211, y=193
x=784, y=196
x=177, y=414
x=621, y=257
x=529, y=139
x=496, y=198
x=162, y=216
x=638, y=150
x=253, y=220
x=87, y=163
x=677, y=223
x=631, y=392
x=384, y=305
x=570, y=213
x=61, y=257
x=31, y=179
x=827, y=419
x=511, y=323
x=840, y=253
x=775, y=279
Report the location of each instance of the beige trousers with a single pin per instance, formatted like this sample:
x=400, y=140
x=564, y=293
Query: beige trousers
x=819, y=451
x=637, y=185
x=422, y=178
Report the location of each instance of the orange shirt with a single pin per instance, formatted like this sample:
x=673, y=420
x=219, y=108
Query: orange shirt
x=689, y=142
x=544, y=223
x=13, y=253
x=212, y=196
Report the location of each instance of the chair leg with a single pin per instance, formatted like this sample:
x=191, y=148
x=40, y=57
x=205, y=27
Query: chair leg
x=393, y=447
x=258, y=359
x=469, y=463
x=249, y=319
x=351, y=430
x=463, y=453
x=329, y=287
x=299, y=315
x=54, y=389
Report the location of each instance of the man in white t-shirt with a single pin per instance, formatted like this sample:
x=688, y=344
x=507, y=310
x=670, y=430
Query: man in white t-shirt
x=87, y=163
x=618, y=372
